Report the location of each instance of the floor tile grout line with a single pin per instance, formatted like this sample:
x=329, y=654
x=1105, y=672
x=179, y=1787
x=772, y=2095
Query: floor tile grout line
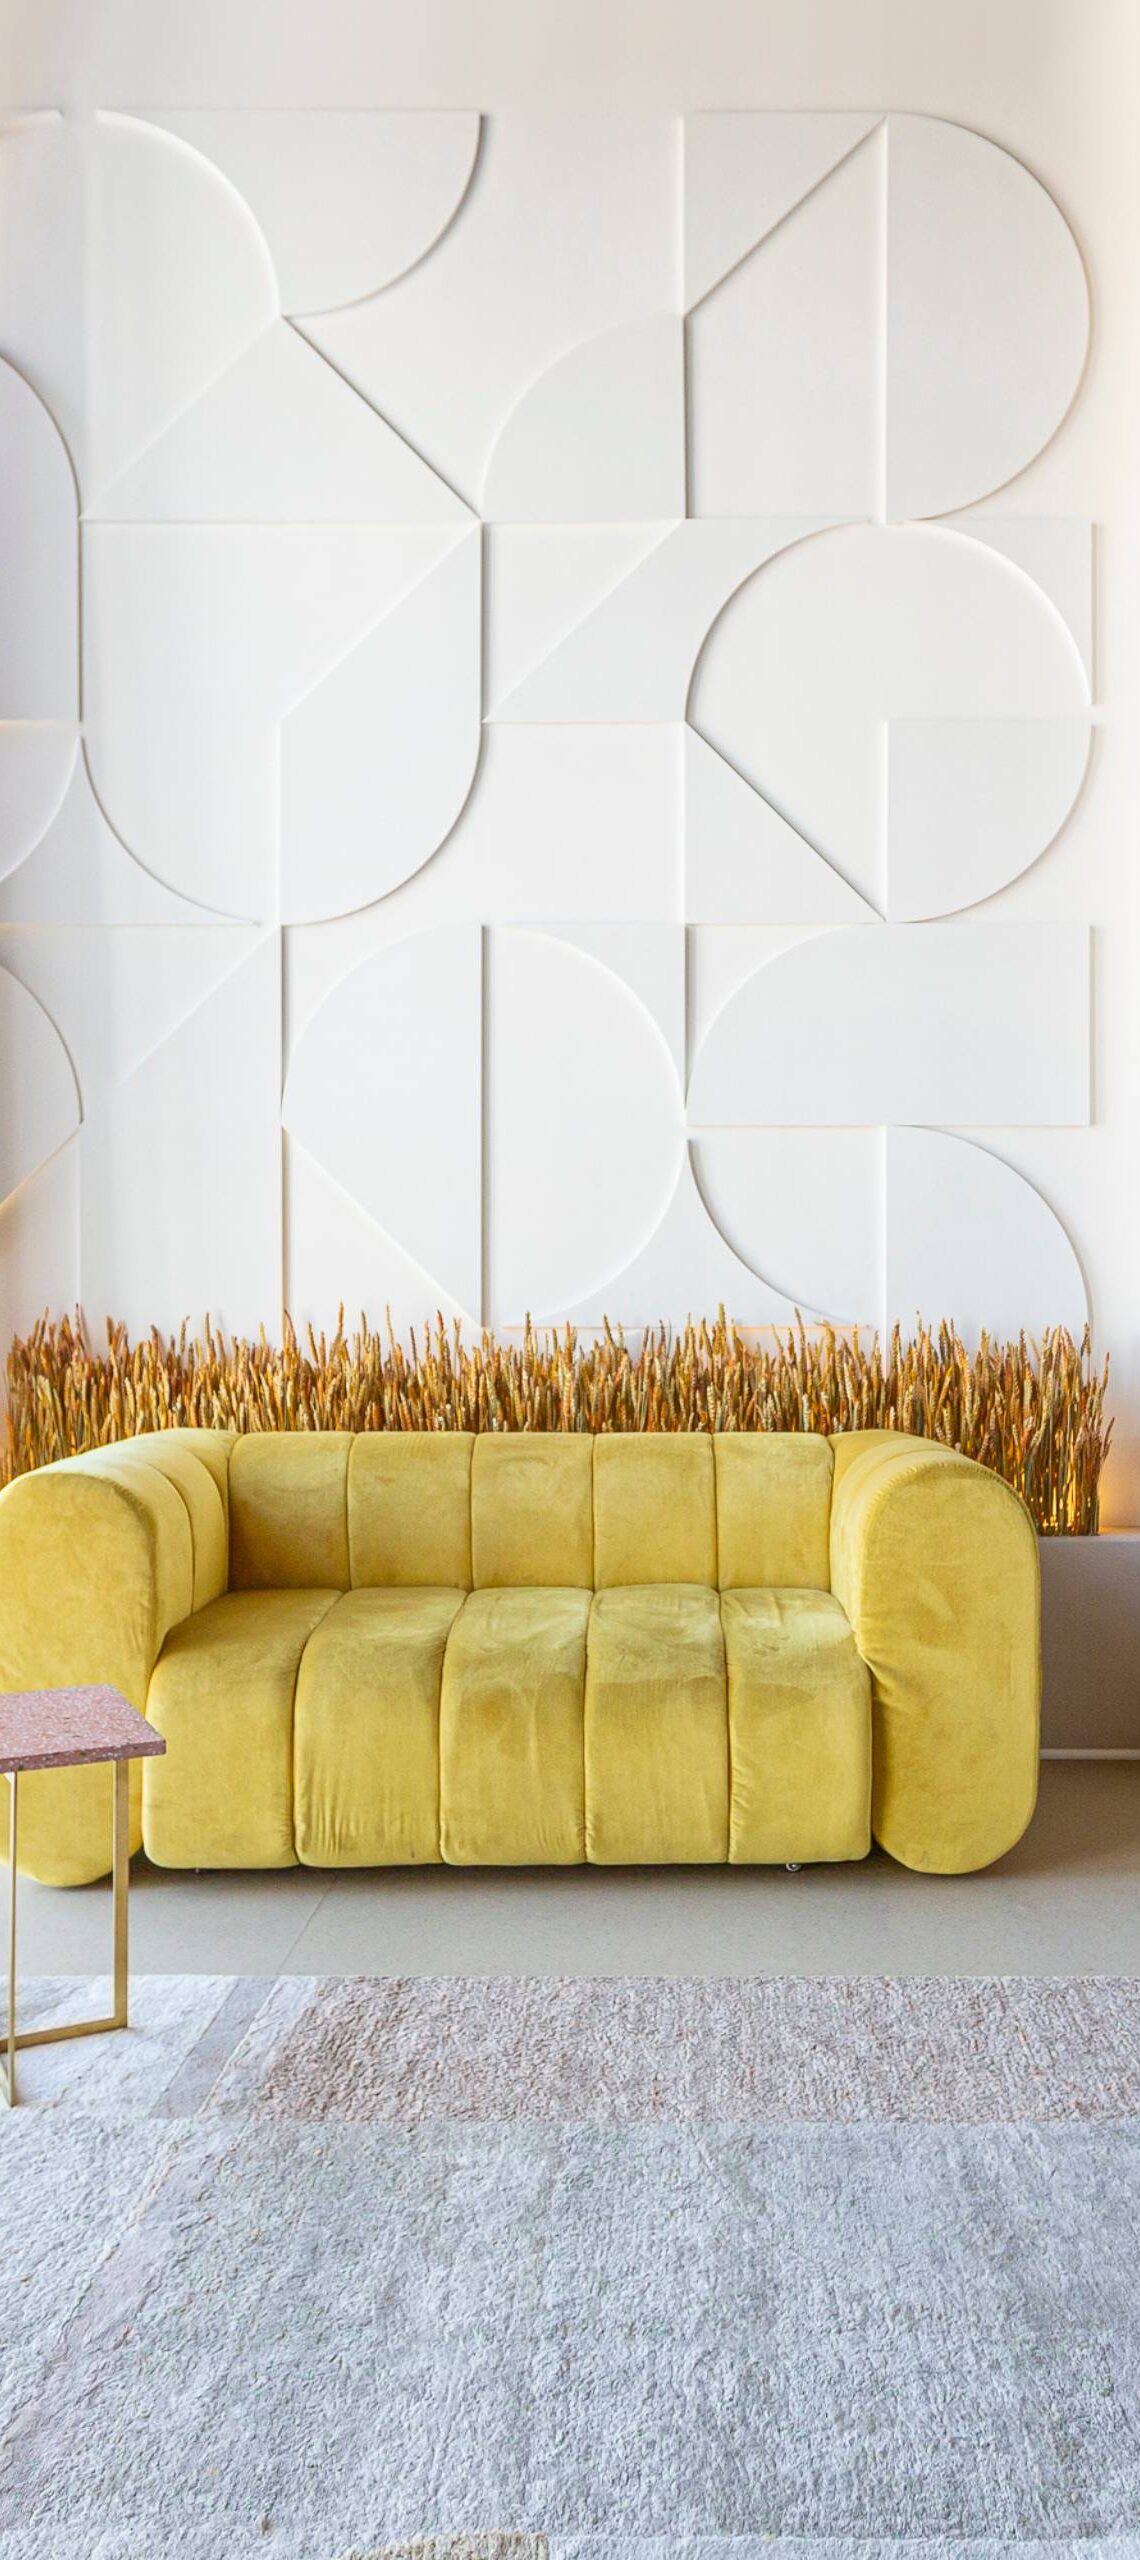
x=319, y=1904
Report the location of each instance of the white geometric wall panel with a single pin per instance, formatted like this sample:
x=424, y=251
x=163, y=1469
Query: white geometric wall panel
x=237, y=670
x=894, y=285
x=76, y=869
x=180, y=1174
x=275, y=441
x=569, y=230
x=112, y=1018
x=406, y=1023
x=803, y=308
x=542, y=581
x=507, y=736
x=883, y=1226
x=37, y=760
x=875, y=683
x=979, y=1024
x=143, y=277
x=744, y=175
x=337, y=1257
x=964, y=1230
x=1056, y=553
x=987, y=315
x=39, y=1244
x=632, y=657
x=41, y=1098
x=346, y=203
x=39, y=676
x=585, y=1132
x=742, y=859
x=557, y=456
x=686, y=1262
x=807, y=1208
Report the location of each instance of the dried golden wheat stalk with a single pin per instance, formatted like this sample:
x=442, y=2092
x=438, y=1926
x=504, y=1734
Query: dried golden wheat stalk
x=1035, y=1412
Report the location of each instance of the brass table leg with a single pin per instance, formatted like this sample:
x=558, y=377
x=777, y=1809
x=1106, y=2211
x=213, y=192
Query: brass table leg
x=10, y=2037
x=120, y=1876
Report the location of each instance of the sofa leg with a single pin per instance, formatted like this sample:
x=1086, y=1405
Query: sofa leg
x=793, y=1866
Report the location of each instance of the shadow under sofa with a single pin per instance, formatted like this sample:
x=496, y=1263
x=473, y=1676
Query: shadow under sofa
x=392, y=1648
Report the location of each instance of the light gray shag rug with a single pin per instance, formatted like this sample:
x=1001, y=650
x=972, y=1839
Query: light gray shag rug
x=463, y=2546
x=659, y=2270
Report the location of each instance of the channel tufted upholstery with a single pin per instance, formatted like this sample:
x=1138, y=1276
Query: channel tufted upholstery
x=513, y=1649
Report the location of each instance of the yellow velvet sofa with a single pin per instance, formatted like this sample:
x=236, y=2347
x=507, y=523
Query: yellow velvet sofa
x=389, y=1648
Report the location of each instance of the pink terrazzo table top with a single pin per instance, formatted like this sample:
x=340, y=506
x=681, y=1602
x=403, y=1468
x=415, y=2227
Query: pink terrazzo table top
x=59, y=1728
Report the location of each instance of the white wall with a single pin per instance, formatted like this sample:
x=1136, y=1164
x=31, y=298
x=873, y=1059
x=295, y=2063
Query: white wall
x=580, y=755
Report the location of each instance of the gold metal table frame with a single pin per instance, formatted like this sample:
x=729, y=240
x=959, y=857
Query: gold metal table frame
x=14, y=2043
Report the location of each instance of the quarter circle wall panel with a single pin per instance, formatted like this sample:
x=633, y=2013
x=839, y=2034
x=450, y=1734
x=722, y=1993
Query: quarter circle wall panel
x=970, y=1239
x=37, y=760
x=721, y=958
x=805, y=1207
x=745, y=172
x=384, y=1093
x=1057, y=553
x=649, y=959
x=41, y=1096
x=584, y=1122
x=971, y=803
x=599, y=437
x=987, y=317
x=346, y=201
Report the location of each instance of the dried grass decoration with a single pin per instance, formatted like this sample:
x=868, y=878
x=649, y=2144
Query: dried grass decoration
x=1033, y=1411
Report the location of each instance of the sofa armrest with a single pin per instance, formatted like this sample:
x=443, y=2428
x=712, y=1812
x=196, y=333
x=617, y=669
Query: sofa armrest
x=99, y=1557
x=935, y=1562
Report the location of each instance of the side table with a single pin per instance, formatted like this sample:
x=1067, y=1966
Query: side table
x=60, y=1729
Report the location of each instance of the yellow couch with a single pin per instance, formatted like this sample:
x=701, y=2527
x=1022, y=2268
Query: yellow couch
x=389, y=1648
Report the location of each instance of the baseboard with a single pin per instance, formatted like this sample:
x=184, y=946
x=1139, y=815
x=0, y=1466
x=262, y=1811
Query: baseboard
x=1090, y=1754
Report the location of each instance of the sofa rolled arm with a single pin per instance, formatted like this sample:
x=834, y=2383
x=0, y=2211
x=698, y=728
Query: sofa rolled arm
x=100, y=1556
x=934, y=1559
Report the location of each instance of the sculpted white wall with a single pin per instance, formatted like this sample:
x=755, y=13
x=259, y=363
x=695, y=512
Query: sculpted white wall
x=563, y=720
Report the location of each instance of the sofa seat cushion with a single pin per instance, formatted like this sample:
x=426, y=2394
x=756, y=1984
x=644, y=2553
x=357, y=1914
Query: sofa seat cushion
x=366, y=1729
x=799, y=1725
x=657, y=1772
x=510, y=1739
x=222, y=1694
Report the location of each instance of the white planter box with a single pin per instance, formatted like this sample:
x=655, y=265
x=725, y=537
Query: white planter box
x=1090, y=1634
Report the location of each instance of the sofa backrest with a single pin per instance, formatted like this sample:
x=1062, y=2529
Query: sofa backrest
x=471, y=1511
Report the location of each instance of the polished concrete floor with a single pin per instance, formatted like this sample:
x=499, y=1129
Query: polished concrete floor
x=1066, y=1900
